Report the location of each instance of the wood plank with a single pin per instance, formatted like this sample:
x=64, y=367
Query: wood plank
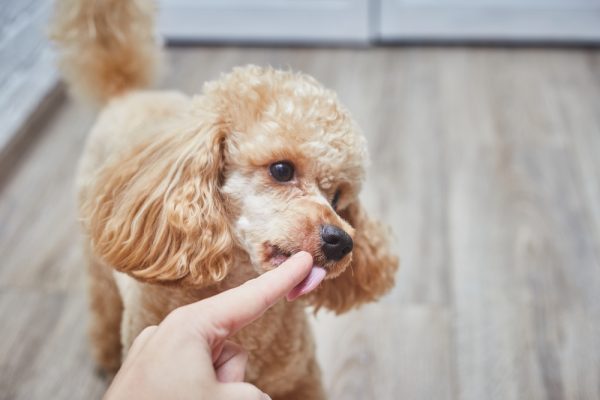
x=485, y=162
x=387, y=352
x=37, y=210
x=524, y=270
x=44, y=353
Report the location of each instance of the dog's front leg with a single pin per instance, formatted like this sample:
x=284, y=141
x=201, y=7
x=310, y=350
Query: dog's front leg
x=142, y=307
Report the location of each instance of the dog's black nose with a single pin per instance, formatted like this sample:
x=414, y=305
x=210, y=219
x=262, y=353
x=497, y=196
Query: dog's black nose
x=336, y=243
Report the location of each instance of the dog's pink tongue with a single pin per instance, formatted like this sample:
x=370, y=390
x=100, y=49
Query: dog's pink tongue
x=312, y=280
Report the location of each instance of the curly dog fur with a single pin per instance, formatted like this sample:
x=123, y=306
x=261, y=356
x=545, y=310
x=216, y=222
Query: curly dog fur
x=177, y=202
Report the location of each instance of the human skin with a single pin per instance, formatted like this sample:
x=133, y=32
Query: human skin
x=188, y=355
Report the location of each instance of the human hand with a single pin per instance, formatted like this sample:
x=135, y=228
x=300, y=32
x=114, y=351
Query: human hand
x=188, y=356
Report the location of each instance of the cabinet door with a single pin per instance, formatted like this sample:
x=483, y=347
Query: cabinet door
x=489, y=20
x=265, y=20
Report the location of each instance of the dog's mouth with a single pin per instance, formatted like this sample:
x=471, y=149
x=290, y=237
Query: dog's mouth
x=276, y=256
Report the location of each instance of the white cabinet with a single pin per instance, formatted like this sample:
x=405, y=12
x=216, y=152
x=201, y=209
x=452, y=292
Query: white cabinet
x=363, y=21
x=270, y=21
x=489, y=20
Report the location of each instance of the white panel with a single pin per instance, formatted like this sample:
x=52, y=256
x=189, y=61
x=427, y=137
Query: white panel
x=539, y=4
x=506, y=20
x=265, y=20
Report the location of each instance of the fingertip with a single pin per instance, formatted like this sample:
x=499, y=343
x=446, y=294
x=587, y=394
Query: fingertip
x=302, y=256
x=300, y=263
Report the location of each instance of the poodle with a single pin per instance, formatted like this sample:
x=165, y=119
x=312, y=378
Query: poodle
x=183, y=197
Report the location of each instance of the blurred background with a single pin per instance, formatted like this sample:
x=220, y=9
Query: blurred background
x=483, y=122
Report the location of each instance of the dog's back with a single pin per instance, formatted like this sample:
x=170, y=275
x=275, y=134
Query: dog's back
x=127, y=120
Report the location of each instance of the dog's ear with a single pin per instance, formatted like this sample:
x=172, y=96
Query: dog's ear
x=157, y=213
x=371, y=272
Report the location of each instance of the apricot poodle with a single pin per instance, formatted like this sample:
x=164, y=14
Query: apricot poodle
x=183, y=197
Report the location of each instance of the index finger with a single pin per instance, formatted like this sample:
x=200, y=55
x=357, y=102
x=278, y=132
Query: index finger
x=237, y=307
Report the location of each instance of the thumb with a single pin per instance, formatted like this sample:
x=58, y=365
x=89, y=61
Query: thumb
x=230, y=365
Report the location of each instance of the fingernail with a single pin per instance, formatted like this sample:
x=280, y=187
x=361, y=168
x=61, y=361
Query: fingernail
x=266, y=396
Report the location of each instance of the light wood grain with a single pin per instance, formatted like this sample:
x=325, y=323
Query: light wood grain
x=485, y=162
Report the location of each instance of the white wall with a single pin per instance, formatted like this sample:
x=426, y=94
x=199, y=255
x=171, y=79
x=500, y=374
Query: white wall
x=273, y=21
x=572, y=21
x=363, y=21
x=27, y=71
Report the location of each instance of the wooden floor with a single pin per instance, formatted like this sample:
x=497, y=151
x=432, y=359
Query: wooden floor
x=486, y=162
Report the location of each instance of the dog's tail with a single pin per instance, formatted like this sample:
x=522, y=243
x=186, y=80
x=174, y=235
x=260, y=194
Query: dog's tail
x=106, y=47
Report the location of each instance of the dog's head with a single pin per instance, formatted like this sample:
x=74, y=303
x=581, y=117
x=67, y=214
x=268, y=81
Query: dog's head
x=268, y=163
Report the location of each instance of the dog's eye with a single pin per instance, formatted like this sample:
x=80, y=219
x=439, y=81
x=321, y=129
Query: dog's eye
x=282, y=171
x=336, y=198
